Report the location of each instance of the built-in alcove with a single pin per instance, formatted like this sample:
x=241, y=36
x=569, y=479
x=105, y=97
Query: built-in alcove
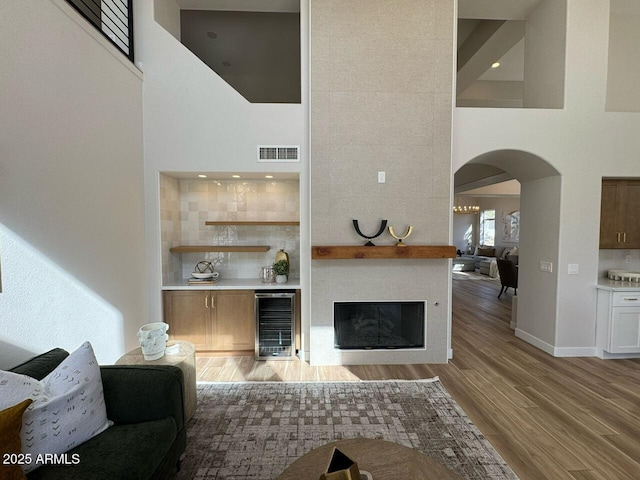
x=237, y=223
x=376, y=325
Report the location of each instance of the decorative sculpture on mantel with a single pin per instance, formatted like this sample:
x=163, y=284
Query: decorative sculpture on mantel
x=393, y=234
x=383, y=226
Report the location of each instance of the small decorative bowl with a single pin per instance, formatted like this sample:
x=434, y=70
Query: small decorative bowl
x=202, y=275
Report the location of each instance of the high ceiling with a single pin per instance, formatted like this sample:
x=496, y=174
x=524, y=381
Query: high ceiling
x=496, y=9
x=283, y=6
x=490, y=31
x=471, y=14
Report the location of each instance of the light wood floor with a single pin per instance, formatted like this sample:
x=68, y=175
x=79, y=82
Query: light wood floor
x=550, y=418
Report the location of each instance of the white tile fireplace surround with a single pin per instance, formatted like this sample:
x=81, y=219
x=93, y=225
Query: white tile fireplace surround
x=385, y=281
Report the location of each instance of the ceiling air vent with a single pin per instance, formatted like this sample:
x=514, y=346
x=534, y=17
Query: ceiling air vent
x=278, y=153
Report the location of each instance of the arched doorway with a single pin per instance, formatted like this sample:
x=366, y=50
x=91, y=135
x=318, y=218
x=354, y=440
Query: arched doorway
x=540, y=196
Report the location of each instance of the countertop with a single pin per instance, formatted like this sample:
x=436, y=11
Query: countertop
x=237, y=284
x=617, y=285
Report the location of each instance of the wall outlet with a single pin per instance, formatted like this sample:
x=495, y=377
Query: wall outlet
x=573, y=269
x=382, y=177
x=627, y=259
x=545, y=266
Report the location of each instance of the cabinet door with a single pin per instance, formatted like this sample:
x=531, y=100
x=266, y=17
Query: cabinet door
x=234, y=320
x=188, y=314
x=608, y=216
x=625, y=330
x=631, y=202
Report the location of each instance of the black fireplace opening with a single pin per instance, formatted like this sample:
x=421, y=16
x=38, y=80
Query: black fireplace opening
x=378, y=325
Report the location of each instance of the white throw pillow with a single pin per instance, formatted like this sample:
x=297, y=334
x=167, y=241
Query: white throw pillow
x=68, y=405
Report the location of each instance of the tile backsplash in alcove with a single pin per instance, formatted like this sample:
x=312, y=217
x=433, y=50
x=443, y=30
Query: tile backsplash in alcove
x=232, y=200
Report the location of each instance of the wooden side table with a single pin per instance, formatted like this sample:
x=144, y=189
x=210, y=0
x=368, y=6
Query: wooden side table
x=384, y=460
x=185, y=359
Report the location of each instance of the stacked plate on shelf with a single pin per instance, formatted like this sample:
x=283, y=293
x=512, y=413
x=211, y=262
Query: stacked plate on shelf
x=204, y=278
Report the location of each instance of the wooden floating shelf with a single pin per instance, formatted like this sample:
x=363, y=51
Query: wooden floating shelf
x=219, y=248
x=292, y=223
x=339, y=252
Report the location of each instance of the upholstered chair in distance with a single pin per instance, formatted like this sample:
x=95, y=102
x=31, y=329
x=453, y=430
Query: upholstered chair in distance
x=508, y=276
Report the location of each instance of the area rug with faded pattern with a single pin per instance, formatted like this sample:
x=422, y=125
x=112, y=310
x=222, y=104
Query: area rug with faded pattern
x=255, y=430
x=473, y=276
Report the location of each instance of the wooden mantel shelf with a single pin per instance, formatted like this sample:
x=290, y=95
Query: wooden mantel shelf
x=338, y=252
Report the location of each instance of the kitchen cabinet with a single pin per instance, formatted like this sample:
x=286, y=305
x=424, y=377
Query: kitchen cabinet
x=234, y=323
x=618, y=321
x=619, y=221
x=211, y=320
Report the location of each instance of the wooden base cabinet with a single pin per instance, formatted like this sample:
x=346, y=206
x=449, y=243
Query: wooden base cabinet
x=213, y=320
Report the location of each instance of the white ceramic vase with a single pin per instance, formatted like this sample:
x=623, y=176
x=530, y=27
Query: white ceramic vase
x=281, y=279
x=153, y=340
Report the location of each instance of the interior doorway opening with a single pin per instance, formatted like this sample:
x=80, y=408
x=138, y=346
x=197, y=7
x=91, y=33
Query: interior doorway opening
x=523, y=190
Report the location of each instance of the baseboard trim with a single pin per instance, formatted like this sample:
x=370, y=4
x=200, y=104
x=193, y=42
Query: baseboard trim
x=535, y=341
x=615, y=356
x=575, y=352
x=557, y=351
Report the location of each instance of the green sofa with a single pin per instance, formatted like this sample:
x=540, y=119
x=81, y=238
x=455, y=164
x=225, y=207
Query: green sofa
x=145, y=402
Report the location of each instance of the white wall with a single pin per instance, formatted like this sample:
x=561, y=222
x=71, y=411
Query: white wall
x=584, y=143
x=167, y=14
x=71, y=178
x=196, y=122
x=461, y=225
x=623, y=94
x=544, y=59
x=540, y=224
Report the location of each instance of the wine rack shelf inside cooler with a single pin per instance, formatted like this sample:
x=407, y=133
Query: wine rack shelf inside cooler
x=275, y=320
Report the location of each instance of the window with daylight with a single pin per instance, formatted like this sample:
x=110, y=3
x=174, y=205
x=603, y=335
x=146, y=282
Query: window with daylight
x=488, y=227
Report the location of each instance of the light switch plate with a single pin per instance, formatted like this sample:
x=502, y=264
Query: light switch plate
x=573, y=269
x=546, y=266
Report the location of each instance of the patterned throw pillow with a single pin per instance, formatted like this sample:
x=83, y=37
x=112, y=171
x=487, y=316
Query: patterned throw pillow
x=68, y=405
x=10, y=449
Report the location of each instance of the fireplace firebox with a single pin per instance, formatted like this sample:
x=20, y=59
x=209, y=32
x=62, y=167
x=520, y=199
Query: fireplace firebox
x=378, y=325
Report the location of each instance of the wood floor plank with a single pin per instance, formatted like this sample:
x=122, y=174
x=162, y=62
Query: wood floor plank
x=549, y=418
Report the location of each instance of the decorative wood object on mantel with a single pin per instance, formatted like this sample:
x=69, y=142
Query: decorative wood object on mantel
x=339, y=252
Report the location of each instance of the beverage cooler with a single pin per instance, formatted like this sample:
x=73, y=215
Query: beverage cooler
x=275, y=325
